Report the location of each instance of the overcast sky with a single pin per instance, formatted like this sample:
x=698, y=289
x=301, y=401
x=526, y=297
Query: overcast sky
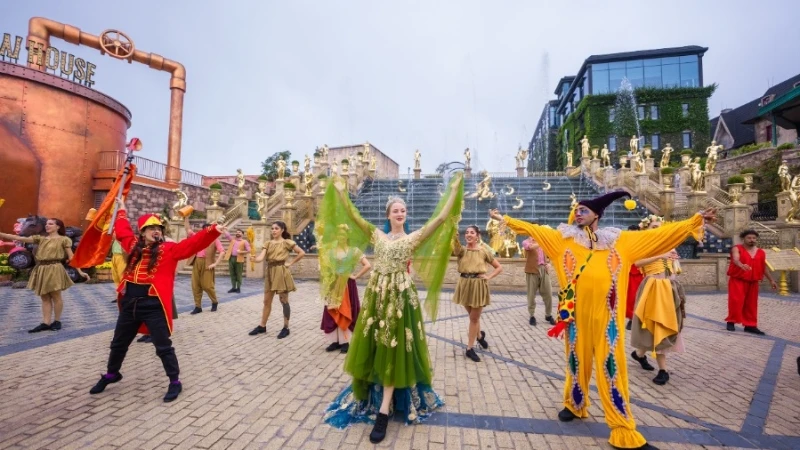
x=264, y=76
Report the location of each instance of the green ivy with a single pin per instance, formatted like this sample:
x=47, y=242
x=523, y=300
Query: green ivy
x=592, y=119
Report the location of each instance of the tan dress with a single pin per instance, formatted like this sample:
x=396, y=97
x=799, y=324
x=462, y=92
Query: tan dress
x=472, y=292
x=278, y=278
x=49, y=274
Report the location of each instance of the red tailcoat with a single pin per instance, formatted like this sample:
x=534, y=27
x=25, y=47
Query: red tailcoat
x=162, y=277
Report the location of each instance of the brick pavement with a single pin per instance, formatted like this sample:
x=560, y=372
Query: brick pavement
x=257, y=392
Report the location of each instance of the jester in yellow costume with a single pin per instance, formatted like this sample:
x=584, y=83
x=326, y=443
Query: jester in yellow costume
x=592, y=265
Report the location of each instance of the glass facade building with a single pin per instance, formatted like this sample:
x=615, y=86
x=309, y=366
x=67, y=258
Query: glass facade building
x=677, y=71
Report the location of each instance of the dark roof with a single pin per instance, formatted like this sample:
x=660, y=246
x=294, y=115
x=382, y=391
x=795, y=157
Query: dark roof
x=778, y=90
x=713, y=126
x=562, y=81
x=742, y=133
x=641, y=54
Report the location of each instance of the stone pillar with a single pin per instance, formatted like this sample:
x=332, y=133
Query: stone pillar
x=372, y=173
x=241, y=199
x=711, y=179
x=683, y=175
x=213, y=213
x=346, y=178
x=417, y=175
x=585, y=163
x=295, y=180
x=789, y=235
x=520, y=172
x=253, y=269
x=784, y=205
x=642, y=180
x=667, y=203
x=736, y=219
x=749, y=196
x=287, y=217
x=695, y=201
x=468, y=172
x=649, y=165
x=594, y=165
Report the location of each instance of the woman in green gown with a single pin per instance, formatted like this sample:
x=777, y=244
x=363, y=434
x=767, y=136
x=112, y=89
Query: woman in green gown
x=388, y=356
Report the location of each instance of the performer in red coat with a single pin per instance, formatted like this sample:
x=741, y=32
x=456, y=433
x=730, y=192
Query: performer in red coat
x=746, y=270
x=144, y=296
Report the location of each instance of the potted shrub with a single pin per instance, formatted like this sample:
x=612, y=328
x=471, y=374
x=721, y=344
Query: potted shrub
x=747, y=174
x=686, y=157
x=103, y=272
x=735, y=186
x=648, y=151
x=288, y=193
x=623, y=160
x=316, y=157
x=216, y=189
x=666, y=176
x=295, y=166
x=262, y=183
x=7, y=273
x=323, y=179
x=345, y=165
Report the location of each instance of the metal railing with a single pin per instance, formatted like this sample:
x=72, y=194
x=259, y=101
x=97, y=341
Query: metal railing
x=147, y=168
x=765, y=211
x=767, y=237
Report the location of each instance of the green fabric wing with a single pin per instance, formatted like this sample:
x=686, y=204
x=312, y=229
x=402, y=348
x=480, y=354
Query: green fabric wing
x=339, y=228
x=432, y=254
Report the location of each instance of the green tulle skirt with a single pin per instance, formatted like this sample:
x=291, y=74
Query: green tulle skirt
x=388, y=346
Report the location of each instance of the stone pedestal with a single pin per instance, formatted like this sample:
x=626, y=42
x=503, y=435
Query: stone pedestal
x=711, y=179
x=371, y=173
x=788, y=235
x=749, y=196
x=642, y=180
x=417, y=174
x=585, y=163
x=784, y=205
x=238, y=200
x=346, y=178
x=695, y=201
x=295, y=180
x=520, y=172
x=253, y=269
x=318, y=201
x=213, y=213
x=649, y=165
x=683, y=182
x=468, y=172
x=594, y=165
x=736, y=219
x=287, y=216
x=279, y=185
x=667, y=202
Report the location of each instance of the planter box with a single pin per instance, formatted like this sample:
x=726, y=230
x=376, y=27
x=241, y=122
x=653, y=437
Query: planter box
x=5, y=277
x=103, y=275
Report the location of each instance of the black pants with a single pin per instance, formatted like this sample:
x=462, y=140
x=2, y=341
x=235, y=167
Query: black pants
x=133, y=313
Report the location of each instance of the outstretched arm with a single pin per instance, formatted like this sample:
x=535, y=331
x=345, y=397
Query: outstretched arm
x=261, y=255
x=14, y=237
x=187, y=226
x=365, y=226
x=549, y=240
x=636, y=245
x=438, y=220
x=196, y=242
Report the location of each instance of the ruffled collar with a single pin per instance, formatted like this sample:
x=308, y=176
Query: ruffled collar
x=606, y=237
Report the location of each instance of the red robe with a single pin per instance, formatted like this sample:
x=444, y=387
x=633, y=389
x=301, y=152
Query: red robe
x=634, y=280
x=162, y=278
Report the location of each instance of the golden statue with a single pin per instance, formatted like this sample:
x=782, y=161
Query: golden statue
x=493, y=232
x=509, y=189
x=519, y=203
x=605, y=156
x=325, y=152
x=373, y=162
x=417, y=156
x=280, y=165
x=484, y=187
x=510, y=245
x=794, y=198
x=240, y=183
x=584, y=147
x=665, y=156
x=262, y=203
x=521, y=156
x=634, y=144
x=181, y=206
x=594, y=152
x=307, y=164
x=335, y=168
x=467, y=158
x=365, y=153
x=573, y=201
x=637, y=163
x=784, y=176
x=696, y=175
x=569, y=158
x=308, y=179
x=713, y=154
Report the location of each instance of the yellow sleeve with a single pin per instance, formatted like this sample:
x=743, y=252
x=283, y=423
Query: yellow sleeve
x=635, y=245
x=550, y=240
x=458, y=250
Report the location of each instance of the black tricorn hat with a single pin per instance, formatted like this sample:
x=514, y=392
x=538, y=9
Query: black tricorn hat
x=599, y=204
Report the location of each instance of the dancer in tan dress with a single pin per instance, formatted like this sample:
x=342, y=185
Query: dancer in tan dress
x=278, y=279
x=472, y=290
x=49, y=277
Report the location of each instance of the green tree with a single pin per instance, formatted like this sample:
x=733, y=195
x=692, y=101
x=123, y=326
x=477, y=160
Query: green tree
x=268, y=168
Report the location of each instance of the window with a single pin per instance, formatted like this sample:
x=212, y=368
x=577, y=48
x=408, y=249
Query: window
x=612, y=143
x=640, y=112
x=655, y=141
x=652, y=76
x=642, y=141
x=635, y=73
x=670, y=75
x=766, y=100
x=553, y=118
x=654, y=112
x=690, y=72
x=687, y=139
x=600, y=79
x=615, y=77
x=768, y=132
x=612, y=114
x=685, y=109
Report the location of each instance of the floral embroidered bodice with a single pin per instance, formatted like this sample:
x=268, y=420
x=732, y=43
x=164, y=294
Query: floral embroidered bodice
x=392, y=256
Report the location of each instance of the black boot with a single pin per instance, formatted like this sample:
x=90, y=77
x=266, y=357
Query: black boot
x=40, y=327
x=345, y=347
x=231, y=290
x=628, y=326
x=105, y=380
x=798, y=365
x=173, y=391
x=472, y=355
x=333, y=347
x=754, y=330
x=258, y=330
x=642, y=361
x=662, y=378
x=566, y=415
x=55, y=326
x=532, y=321
x=283, y=333
x=550, y=320
x=196, y=310
x=214, y=307
x=379, y=430
x=730, y=327
x=482, y=340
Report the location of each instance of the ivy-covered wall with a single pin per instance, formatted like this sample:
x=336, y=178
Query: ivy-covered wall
x=591, y=118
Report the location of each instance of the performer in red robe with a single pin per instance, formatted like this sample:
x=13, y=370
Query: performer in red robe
x=746, y=270
x=635, y=278
x=144, y=296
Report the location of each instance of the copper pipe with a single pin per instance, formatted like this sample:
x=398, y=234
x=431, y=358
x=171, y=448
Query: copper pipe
x=40, y=30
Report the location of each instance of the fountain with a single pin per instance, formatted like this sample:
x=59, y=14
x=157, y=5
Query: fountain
x=626, y=119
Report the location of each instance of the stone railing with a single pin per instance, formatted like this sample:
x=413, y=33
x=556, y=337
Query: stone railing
x=767, y=237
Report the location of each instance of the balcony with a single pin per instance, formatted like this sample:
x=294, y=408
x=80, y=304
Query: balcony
x=111, y=161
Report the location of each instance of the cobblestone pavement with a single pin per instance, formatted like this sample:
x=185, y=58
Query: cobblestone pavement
x=728, y=389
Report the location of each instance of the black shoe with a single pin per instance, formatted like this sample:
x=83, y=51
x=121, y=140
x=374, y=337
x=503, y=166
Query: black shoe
x=258, y=330
x=345, y=348
x=214, y=307
x=730, y=327
x=55, y=326
x=628, y=325
x=379, y=430
x=644, y=447
x=196, y=310
x=532, y=321
x=145, y=338
x=642, y=361
x=238, y=290
x=172, y=391
x=566, y=415
x=662, y=378
x=550, y=320
x=333, y=347
x=798, y=365
x=754, y=330
x=482, y=340
x=231, y=290
x=283, y=333
x=101, y=385
x=472, y=355
x=40, y=327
